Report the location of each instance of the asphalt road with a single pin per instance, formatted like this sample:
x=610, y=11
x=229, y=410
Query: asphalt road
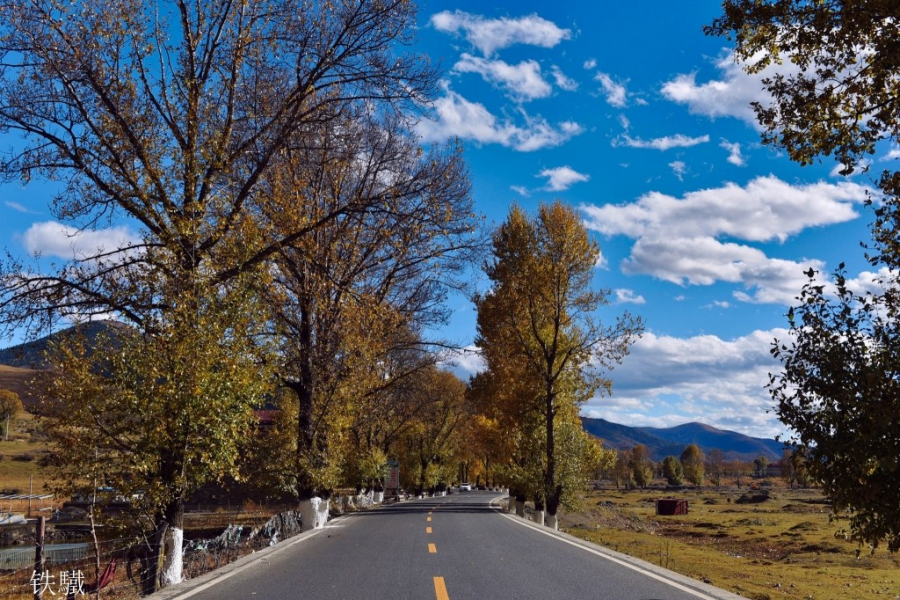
x=458, y=546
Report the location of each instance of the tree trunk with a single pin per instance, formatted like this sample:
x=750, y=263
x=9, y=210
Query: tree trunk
x=172, y=544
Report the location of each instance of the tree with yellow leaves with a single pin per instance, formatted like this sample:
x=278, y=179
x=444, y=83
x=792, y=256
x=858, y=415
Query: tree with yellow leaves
x=538, y=327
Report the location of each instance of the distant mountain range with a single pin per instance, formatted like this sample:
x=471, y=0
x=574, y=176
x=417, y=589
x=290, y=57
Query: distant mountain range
x=672, y=440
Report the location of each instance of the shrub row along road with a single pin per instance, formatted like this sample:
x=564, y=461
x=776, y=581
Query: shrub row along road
x=459, y=546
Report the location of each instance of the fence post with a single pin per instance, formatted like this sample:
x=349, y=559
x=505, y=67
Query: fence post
x=39, y=529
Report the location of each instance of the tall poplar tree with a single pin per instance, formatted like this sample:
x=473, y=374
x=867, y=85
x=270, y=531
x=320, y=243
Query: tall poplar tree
x=539, y=324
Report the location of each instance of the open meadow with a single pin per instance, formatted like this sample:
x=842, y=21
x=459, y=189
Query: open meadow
x=764, y=544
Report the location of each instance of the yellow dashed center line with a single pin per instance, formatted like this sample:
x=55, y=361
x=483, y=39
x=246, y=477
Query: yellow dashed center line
x=428, y=519
x=432, y=549
x=428, y=530
x=440, y=590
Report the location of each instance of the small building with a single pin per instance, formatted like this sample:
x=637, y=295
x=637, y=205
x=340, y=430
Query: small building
x=671, y=506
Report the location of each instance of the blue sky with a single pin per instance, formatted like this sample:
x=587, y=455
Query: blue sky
x=629, y=113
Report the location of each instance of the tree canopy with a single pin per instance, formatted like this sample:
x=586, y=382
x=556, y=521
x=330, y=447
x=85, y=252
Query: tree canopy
x=838, y=94
x=545, y=345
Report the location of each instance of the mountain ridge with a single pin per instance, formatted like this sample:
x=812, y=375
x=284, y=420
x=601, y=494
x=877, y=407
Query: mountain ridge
x=671, y=441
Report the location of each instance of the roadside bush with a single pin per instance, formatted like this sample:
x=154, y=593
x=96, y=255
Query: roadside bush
x=27, y=457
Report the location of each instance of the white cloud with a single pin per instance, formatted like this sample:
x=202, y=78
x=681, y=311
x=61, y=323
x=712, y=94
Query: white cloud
x=624, y=122
x=720, y=382
x=457, y=117
x=522, y=191
x=626, y=296
x=734, y=153
x=705, y=260
x=466, y=362
x=562, y=178
x=893, y=154
x=678, y=167
x=590, y=64
x=766, y=208
x=616, y=95
x=490, y=35
x=51, y=238
x=664, y=143
x=16, y=207
x=563, y=81
x=522, y=81
x=729, y=96
x=676, y=239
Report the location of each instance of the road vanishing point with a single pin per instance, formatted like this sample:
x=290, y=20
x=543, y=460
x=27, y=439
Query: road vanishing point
x=447, y=548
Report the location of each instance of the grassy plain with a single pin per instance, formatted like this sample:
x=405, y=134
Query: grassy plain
x=785, y=546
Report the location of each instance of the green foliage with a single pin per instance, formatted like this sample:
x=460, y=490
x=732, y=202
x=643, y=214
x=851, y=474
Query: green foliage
x=838, y=390
x=840, y=393
x=672, y=470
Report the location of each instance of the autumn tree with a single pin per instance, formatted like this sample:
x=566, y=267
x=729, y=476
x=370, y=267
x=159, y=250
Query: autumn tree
x=155, y=417
x=672, y=470
x=10, y=406
x=693, y=463
x=428, y=444
x=760, y=466
x=622, y=470
x=541, y=315
x=342, y=295
x=641, y=465
x=606, y=468
x=169, y=117
x=837, y=391
x=715, y=465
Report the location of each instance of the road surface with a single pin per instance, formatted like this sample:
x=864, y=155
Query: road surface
x=450, y=548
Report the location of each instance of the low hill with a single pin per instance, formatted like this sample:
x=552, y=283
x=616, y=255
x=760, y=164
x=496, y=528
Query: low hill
x=663, y=442
x=31, y=355
x=24, y=382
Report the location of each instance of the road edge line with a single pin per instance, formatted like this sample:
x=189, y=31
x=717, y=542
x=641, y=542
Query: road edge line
x=677, y=580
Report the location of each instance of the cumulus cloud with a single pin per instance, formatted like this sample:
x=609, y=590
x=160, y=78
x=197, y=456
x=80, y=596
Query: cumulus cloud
x=729, y=96
x=734, y=153
x=766, y=208
x=720, y=382
x=677, y=239
x=679, y=168
x=616, y=94
x=590, y=64
x=563, y=81
x=664, y=143
x=522, y=82
x=893, y=154
x=562, y=178
x=51, y=238
x=705, y=260
x=626, y=296
x=458, y=117
x=490, y=35
x=522, y=191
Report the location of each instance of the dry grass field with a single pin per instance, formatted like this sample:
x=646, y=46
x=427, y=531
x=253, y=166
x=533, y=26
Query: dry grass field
x=20, y=456
x=783, y=546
